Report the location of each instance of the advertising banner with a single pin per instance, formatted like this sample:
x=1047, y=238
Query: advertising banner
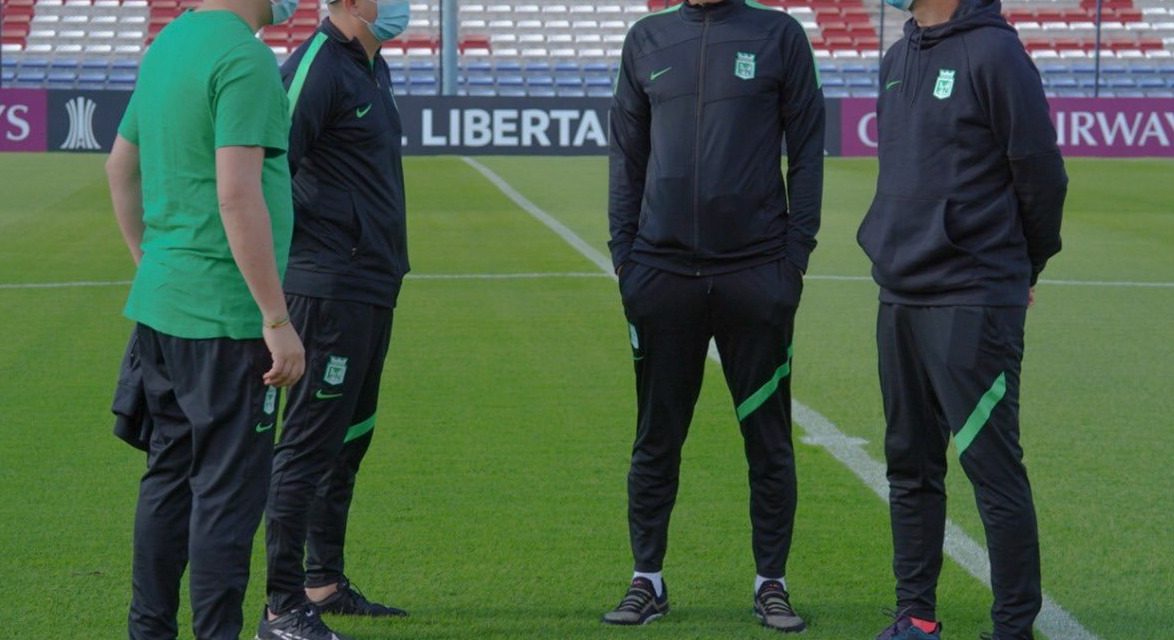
x=57, y=120
x=1085, y=127
x=22, y=120
x=85, y=120
x=504, y=126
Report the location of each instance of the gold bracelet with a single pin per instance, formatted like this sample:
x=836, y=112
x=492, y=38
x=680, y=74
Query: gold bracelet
x=277, y=324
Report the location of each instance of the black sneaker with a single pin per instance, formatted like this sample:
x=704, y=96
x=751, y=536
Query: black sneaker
x=903, y=629
x=640, y=605
x=772, y=607
x=302, y=623
x=349, y=601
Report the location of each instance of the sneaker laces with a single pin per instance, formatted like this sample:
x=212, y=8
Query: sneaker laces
x=773, y=600
x=637, y=598
x=352, y=592
x=893, y=629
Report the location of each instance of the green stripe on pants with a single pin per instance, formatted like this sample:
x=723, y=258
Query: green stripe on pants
x=978, y=418
x=756, y=399
x=359, y=430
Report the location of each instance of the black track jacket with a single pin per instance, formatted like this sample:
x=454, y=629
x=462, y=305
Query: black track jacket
x=349, y=240
x=972, y=186
x=703, y=100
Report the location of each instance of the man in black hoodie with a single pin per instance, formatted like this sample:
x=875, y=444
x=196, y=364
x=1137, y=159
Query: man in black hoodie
x=709, y=240
x=967, y=213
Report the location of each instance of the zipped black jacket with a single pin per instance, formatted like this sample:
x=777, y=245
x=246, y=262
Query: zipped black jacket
x=972, y=186
x=349, y=240
x=705, y=96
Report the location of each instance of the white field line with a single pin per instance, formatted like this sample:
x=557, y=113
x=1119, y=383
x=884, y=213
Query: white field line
x=410, y=276
x=569, y=274
x=1053, y=621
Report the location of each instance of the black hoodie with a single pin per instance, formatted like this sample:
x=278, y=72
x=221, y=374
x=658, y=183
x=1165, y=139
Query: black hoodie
x=972, y=185
x=705, y=95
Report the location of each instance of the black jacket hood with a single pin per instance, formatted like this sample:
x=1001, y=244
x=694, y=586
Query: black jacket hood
x=970, y=15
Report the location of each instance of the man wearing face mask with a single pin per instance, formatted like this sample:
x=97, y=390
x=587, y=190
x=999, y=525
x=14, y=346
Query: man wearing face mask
x=201, y=192
x=347, y=261
x=966, y=215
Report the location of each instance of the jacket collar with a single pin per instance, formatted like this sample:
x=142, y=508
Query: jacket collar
x=350, y=45
x=714, y=12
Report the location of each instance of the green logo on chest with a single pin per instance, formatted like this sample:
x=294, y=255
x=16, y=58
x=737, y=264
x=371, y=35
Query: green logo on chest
x=744, y=66
x=944, y=87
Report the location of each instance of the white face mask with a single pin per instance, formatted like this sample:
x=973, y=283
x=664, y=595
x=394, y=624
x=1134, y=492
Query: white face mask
x=283, y=10
x=904, y=5
x=391, y=18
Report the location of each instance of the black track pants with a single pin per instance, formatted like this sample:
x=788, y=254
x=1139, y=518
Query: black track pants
x=328, y=426
x=954, y=371
x=750, y=315
x=201, y=499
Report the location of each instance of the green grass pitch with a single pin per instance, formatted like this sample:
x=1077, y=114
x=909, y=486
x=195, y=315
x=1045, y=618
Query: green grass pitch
x=492, y=503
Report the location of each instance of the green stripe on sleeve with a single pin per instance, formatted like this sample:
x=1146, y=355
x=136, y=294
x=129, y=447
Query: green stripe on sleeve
x=759, y=397
x=359, y=430
x=299, y=79
x=978, y=418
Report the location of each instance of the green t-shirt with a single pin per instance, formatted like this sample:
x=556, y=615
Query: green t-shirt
x=205, y=83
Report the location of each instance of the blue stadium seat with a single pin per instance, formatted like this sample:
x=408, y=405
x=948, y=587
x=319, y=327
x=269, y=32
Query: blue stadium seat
x=598, y=81
x=399, y=79
x=479, y=80
x=542, y=92
x=598, y=92
x=512, y=92
x=511, y=81
x=569, y=92
x=1084, y=67
x=508, y=67
x=422, y=66
x=1113, y=68
x=861, y=81
x=64, y=63
x=33, y=63
x=1062, y=82
x=1151, y=83
x=481, y=92
x=30, y=76
x=1053, y=67
x=7, y=76
x=597, y=67
x=121, y=78
x=569, y=81
x=92, y=77
x=831, y=81
x=61, y=77
x=537, y=67
x=566, y=67
x=1144, y=69
x=95, y=63
x=479, y=65
x=125, y=65
x=539, y=81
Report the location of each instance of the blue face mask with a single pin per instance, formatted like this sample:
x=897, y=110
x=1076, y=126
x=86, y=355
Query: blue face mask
x=391, y=18
x=904, y=5
x=283, y=10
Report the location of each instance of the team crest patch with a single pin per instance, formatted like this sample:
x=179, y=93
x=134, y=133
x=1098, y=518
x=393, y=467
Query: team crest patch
x=270, y=401
x=744, y=66
x=944, y=88
x=335, y=370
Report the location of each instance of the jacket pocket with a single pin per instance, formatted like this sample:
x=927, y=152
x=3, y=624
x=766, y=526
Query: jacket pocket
x=909, y=244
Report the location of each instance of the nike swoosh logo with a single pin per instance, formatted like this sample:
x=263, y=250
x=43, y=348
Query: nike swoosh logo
x=891, y=83
x=262, y=427
x=322, y=395
x=657, y=74
x=362, y=111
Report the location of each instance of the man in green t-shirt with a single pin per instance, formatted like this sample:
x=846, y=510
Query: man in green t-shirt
x=201, y=191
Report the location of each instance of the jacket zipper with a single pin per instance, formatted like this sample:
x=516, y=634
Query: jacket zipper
x=697, y=147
